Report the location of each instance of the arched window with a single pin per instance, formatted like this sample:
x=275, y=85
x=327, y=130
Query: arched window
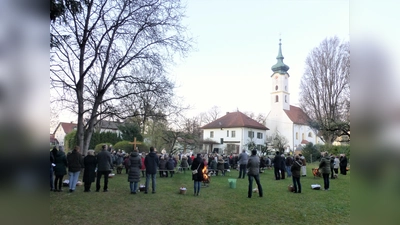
x=297, y=136
x=286, y=98
x=276, y=87
x=309, y=134
x=276, y=98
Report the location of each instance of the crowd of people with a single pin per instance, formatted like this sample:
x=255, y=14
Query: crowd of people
x=147, y=165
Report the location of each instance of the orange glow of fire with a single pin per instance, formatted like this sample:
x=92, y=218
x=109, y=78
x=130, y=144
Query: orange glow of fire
x=204, y=170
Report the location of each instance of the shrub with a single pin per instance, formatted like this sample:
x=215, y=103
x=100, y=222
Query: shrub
x=70, y=141
x=103, y=137
x=124, y=145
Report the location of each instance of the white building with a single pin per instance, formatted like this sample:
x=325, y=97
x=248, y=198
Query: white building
x=232, y=131
x=285, y=119
x=63, y=129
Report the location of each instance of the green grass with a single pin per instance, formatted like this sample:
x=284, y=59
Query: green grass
x=217, y=204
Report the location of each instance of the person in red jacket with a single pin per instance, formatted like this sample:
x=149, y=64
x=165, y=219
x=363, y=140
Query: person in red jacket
x=143, y=168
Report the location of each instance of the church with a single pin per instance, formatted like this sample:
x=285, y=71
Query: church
x=284, y=119
x=233, y=132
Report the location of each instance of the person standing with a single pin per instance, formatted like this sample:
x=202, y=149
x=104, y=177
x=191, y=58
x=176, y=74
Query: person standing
x=170, y=166
x=332, y=164
x=303, y=170
x=343, y=164
x=198, y=165
x=104, y=167
x=184, y=163
x=135, y=164
x=336, y=165
x=89, y=174
x=243, y=159
x=288, y=164
x=253, y=165
x=278, y=161
x=295, y=169
x=162, y=167
x=283, y=167
x=52, y=169
x=142, y=157
x=60, y=169
x=151, y=162
x=325, y=168
x=75, y=164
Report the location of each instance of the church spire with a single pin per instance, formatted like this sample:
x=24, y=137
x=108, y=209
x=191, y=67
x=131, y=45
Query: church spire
x=280, y=67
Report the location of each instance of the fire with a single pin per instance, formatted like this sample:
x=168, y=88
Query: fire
x=205, y=175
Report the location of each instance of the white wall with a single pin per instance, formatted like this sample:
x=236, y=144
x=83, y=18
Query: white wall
x=241, y=135
x=60, y=135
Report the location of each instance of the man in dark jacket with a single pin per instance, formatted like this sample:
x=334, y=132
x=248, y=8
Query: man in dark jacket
x=278, y=161
x=104, y=167
x=288, y=164
x=325, y=168
x=253, y=165
x=295, y=169
x=151, y=163
x=75, y=164
x=243, y=158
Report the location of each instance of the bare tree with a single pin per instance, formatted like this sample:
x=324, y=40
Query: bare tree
x=110, y=45
x=261, y=118
x=325, y=90
x=279, y=142
x=211, y=115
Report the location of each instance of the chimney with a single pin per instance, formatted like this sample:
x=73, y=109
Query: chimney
x=227, y=113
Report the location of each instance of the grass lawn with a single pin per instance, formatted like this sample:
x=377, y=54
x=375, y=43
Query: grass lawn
x=217, y=204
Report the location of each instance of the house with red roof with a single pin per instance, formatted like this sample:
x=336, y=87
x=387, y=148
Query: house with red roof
x=63, y=129
x=287, y=120
x=232, y=131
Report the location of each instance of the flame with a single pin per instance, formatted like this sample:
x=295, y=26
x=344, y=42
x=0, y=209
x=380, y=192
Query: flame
x=204, y=170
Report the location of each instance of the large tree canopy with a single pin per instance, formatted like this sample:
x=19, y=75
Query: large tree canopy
x=325, y=89
x=112, y=50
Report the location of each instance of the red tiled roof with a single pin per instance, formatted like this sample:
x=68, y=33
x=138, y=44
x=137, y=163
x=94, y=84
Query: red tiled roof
x=297, y=115
x=68, y=127
x=304, y=142
x=53, y=139
x=235, y=119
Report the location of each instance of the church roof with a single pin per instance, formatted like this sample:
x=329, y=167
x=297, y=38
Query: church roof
x=297, y=115
x=234, y=119
x=280, y=67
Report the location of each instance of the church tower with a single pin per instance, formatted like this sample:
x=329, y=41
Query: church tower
x=280, y=84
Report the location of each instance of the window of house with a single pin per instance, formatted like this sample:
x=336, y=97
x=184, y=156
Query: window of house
x=251, y=134
x=276, y=87
x=285, y=98
x=297, y=136
x=276, y=98
x=302, y=136
x=259, y=135
x=211, y=134
x=227, y=133
x=233, y=133
x=309, y=134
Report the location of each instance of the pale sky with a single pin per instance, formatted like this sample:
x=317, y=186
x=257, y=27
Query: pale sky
x=237, y=43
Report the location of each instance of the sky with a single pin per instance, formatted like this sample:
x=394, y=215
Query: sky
x=236, y=43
